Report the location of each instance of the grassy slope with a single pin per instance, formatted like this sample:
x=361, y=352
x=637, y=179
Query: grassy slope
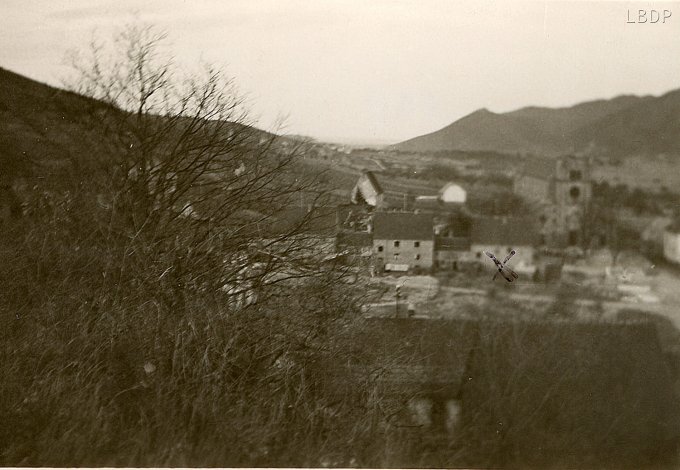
x=38, y=127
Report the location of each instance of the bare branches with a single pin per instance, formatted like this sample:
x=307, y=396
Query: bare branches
x=178, y=282
x=185, y=164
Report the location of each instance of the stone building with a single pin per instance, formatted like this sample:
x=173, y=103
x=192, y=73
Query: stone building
x=559, y=189
x=500, y=235
x=402, y=241
x=453, y=193
x=671, y=243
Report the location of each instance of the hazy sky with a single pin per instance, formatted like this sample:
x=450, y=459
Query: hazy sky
x=376, y=70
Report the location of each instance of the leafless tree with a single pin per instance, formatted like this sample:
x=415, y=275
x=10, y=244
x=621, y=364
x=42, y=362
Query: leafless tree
x=184, y=171
x=164, y=304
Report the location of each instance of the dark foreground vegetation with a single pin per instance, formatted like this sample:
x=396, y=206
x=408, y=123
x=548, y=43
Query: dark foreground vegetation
x=156, y=312
x=152, y=313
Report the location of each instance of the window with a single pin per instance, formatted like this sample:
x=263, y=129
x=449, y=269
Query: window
x=417, y=257
x=380, y=248
x=396, y=256
x=573, y=237
x=479, y=254
x=574, y=192
x=416, y=244
x=575, y=175
x=396, y=244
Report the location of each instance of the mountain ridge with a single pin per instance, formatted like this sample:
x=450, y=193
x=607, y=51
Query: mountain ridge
x=595, y=126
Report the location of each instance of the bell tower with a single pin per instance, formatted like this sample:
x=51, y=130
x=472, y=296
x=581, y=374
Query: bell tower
x=572, y=182
x=572, y=192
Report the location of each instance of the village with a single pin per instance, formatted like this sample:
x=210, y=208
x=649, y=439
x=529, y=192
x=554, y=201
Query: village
x=461, y=251
x=425, y=258
x=426, y=255
x=471, y=273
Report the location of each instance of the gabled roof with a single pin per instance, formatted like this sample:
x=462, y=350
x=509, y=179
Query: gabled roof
x=402, y=226
x=366, y=189
x=510, y=231
x=374, y=181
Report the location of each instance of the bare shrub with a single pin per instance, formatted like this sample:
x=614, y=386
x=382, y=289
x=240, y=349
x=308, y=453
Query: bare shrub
x=123, y=339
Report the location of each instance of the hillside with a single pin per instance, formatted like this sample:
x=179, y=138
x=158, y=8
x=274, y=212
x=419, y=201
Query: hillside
x=651, y=126
x=44, y=131
x=621, y=126
x=38, y=127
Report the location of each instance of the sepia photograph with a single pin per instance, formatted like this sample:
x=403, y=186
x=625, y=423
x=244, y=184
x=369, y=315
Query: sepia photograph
x=340, y=234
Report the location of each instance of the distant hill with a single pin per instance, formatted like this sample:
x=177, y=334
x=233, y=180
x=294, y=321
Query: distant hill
x=651, y=126
x=621, y=126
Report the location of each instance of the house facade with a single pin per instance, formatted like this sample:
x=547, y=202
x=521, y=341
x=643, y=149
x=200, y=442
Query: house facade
x=653, y=235
x=500, y=235
x=453, y=193
x=671, y=243
x=451, y=252
x=402, y=241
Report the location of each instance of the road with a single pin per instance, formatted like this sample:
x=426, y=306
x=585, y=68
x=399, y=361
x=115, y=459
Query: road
x=668, y=290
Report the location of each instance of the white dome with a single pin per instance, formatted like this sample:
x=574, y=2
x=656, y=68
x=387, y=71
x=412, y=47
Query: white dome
x=452, y=192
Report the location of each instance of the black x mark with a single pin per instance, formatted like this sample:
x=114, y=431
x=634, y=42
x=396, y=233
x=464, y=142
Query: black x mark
x=506, y=272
